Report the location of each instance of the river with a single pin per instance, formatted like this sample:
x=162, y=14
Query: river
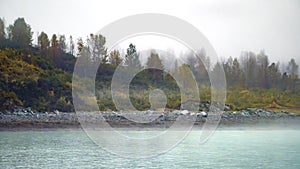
x=232, y=148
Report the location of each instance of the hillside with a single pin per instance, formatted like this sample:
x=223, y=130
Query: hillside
x=29, y=80
x=40, y=76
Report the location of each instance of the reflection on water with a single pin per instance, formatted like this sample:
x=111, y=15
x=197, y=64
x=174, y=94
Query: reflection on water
x=225, y=149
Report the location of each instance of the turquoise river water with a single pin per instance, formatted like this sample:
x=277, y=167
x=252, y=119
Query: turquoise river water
x=246, y=148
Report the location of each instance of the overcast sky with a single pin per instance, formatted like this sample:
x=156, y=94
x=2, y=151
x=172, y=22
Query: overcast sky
x=231, y=26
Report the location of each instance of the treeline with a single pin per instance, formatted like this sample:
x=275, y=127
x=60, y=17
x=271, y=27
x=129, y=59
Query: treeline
x=256, y=71
x=40, y=76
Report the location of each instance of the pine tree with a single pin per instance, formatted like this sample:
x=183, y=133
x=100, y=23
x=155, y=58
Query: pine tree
x=132, y=58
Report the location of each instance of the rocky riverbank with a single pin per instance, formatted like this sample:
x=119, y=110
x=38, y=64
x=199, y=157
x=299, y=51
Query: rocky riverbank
x=27, y=118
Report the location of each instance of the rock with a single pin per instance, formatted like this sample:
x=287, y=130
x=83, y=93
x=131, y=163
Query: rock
x=245, y=113
x=56, y=112
x=203, y=114
x=227, y=107
x=250, y=114
x=184, y=112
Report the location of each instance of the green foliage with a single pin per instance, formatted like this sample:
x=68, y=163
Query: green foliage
x=41, y=77
x=20, y=33
x=43, y=41
x=132, y=58
x=2, y=30
x=97, y=49
x=242, y=98
x=63, y=104
x=255, y=71
x=143, y=83
x=154, y=61
x=25, y=80
x=114, y=58
x=32, y=81
x=9, y=100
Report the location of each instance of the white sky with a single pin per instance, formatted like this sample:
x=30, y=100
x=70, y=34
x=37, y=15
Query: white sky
x=231, y=26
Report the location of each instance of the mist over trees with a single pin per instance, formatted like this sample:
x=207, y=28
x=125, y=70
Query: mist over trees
x=132, y=57
x=53, y=58
x=20, y=33
x=43, y=41
x=255, y=70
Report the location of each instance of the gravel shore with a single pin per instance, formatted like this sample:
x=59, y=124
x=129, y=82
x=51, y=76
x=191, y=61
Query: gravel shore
x=27, y=118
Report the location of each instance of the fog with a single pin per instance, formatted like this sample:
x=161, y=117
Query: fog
x=231, y=26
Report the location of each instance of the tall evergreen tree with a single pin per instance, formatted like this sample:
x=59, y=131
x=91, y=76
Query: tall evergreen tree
x=62, y=43
x=2, y=33
x=20, y=33
x=154, y=61
x=43, y=41
x=292, y=67
x=132, y=57
x=2, y=29
x=262, y=63
x=293, y=76
x=98, y=51
x=175, y=70
x=114, y=57
x=80, y=45
x=274, y=74
x=249, y=65
x=72, y=46
x=54, y=41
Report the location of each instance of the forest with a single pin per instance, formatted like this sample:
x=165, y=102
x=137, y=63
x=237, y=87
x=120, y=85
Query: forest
x=40, y=75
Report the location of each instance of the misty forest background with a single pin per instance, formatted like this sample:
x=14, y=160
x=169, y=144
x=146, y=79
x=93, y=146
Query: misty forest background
x=40, y=75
